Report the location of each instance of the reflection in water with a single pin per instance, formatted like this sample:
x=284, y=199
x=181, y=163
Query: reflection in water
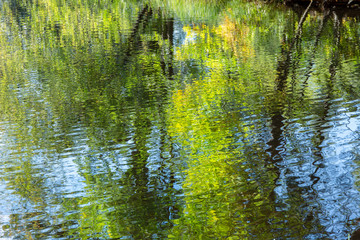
x=128, y=120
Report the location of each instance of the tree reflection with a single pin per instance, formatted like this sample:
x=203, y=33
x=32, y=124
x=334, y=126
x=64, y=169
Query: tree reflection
x=285, y=192
x=115, y=130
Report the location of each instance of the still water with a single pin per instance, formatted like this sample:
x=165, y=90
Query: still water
x=178, y=120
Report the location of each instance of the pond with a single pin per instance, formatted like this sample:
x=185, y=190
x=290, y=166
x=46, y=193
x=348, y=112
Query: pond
x=172, y=119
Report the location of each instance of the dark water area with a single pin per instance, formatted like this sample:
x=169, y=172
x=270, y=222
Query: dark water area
x=178, y=120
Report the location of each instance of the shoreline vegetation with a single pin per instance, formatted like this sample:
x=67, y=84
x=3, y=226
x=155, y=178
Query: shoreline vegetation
x=352, y=4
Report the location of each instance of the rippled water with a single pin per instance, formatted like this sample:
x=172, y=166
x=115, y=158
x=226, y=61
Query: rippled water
x=165, y=119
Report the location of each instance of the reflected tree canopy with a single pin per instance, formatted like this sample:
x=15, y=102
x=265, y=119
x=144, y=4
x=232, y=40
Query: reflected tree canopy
x=178, y=119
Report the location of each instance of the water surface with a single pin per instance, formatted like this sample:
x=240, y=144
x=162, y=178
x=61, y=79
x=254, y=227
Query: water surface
x=156, y=120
